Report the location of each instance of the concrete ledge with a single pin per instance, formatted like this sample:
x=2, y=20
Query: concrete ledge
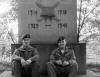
x=89, y=74
x=46, y=49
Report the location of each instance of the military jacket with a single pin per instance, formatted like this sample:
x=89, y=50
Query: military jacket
x=67, y=55
x=27, y=53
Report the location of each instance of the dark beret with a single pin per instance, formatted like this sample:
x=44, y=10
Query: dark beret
x=60, y=39
x=26, y=36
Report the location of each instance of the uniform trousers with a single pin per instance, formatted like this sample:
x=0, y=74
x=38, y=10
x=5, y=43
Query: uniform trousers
x=55, y=70
x=31, y=70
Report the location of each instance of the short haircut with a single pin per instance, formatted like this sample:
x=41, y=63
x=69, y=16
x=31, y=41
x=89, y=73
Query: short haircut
x=26, y=36
x=60, y=39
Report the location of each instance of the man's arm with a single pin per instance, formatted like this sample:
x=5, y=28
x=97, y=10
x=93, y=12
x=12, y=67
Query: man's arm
x=35, y=56
x=54, y=58
x=72, y=57
x=16, y=55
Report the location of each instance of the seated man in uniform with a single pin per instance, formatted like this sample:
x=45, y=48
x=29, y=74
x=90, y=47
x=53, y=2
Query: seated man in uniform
x=62, y=61
x=25, y=59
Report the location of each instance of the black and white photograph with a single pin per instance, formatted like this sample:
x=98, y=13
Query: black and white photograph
x=49, y=38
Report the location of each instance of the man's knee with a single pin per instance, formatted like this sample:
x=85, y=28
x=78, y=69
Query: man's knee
x=16, y=64
x=51, y=69
x=74, y=66
x=49, y=64
x=16, y=67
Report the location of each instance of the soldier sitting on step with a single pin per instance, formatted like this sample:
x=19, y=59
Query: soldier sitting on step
x=25, y=59
x=62, y=61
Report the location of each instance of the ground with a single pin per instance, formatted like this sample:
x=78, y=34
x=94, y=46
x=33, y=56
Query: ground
x=89, y=74
x=92, y=71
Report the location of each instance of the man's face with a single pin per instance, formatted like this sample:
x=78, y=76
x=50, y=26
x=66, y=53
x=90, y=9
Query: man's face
x=26, y=41
x=62, y=43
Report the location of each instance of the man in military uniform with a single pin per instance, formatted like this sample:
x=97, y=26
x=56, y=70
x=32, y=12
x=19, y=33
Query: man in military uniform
x=62, y=61
x=25, y=59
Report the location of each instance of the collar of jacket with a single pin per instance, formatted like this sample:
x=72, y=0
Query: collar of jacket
x=23, y=48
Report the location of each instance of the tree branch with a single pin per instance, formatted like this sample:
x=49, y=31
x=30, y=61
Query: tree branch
x=81, y=25
x=10, y=35
x=80, y=11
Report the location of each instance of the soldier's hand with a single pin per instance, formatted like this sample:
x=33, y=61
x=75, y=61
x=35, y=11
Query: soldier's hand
x=59, y=62
x=28, y=61
x=72, y=61
x=65, y=63
x=23, y=62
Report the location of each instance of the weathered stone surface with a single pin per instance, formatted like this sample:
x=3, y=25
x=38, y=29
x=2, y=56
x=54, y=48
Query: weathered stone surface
x=89, y=74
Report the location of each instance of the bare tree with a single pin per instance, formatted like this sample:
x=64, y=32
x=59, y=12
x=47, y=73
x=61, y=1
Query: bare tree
x=83, y=15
